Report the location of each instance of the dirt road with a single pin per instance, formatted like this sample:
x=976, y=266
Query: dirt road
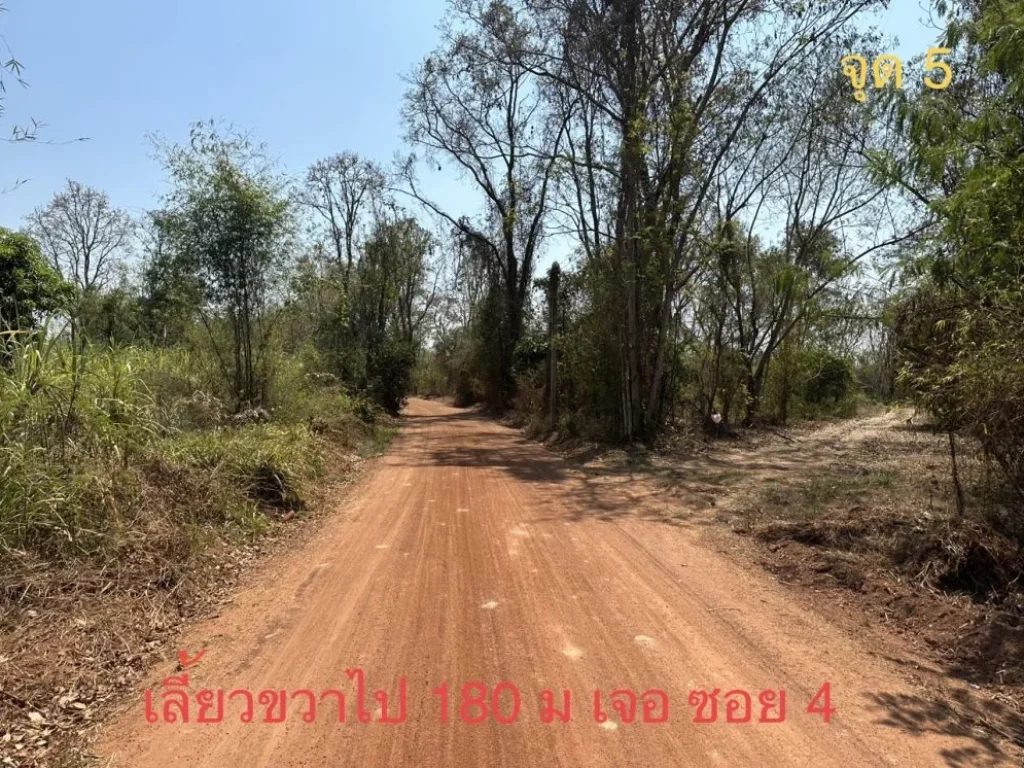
x=471, y=554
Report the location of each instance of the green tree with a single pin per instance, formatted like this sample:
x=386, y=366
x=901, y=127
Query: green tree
x=475, y=104
x=391, y=306
x=960, y=331
x=230, y=225
x=112, y=317
x=171, y=292
x=29, y=287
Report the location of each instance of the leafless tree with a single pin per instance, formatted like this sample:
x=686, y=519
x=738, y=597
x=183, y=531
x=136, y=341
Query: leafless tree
x=664, y=95
x=810, y=177
x=337, y=190
x=83, y=235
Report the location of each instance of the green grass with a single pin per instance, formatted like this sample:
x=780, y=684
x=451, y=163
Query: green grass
x=813, y=499
x=111, y=450
x=380, y=437
x=267, y=462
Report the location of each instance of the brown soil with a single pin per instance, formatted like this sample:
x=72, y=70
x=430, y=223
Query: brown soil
x=858, y=517
x=473, y=554
x=76, y=640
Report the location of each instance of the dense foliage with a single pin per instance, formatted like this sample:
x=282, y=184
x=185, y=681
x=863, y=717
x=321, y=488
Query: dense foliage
x=30, y=288
x=960, y=328
x=747, y=241
x=200, y=362
x=716, y=196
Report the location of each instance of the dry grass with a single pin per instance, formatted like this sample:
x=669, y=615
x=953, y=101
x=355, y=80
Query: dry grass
x=865, y=511
x=881, y=489
x=76, y=635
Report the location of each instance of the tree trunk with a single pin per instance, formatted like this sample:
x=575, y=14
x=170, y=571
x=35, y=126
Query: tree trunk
x=627, y=225
x=753, y=388
x=554, y=278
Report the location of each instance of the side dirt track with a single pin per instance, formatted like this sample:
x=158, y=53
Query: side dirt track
x=472, y=554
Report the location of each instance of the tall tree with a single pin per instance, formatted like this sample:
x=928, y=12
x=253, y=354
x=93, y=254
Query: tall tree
x=339, y=190
x=172, y=292
x=391, y=304
x=82, y=235
x=807, y=187
x=230, y=224
x=665, y=95
x=474, y=103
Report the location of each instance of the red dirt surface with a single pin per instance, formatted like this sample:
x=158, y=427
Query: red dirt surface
x=472, y=554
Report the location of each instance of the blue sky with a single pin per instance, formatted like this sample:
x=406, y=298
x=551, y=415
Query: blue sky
x=309, y=77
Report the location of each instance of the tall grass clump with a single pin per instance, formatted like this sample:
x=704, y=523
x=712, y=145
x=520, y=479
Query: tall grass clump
x=267, y=461
x=71, y=427
x=106, y=449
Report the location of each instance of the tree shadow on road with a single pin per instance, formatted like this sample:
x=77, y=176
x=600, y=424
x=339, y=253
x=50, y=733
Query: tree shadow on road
x=611, y=488
x=961, y=715
x=488, y=445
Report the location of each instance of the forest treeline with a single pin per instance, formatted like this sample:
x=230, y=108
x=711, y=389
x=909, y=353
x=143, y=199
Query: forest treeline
x=747, y=241
x=739, y=241
x=227, y=343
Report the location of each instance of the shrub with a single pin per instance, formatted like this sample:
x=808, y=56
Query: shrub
x=111, y=449
x=267, y=462
x=829, y=378
x=389, y=373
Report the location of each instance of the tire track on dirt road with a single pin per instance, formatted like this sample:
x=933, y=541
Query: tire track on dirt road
x=471, y=554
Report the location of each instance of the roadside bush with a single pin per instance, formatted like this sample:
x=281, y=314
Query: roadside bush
x=183, y=386
x=389, y=373
x=72, y=405
x=830, y=378
x=530, y=404
x=114, y=448
x=965, y=364
x=467, y=390
x=52, y=510
x=268, y=463
x=806, y=384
